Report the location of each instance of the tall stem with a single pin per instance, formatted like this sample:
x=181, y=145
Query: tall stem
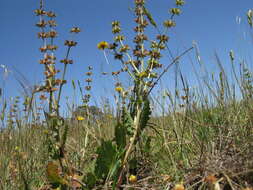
x=61, y=85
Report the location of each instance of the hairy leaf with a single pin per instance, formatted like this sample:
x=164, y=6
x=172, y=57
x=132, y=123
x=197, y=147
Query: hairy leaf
x=127, y=121
x=145, y=114
x=120, y=136
x=105, y=160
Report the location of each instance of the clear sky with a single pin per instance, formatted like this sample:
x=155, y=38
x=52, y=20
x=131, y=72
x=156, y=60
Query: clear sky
x=213, y=24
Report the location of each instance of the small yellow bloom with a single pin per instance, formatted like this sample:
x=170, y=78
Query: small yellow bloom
x=132, y=179
x=179, y=187
x=80, y=118
x=102, y=45
x=119, y=89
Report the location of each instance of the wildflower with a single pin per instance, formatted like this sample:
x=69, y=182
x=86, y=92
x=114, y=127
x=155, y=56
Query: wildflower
x=102, y=45
x=132, y=179
x=41, y=24
x=116, y=30
x=118, y=89
x=179, y=187
x=175, y=11
x=79, y=118
x=88, y=73
x=75, y=30
x=52, y=34
x=52, y=23
x=88, y=80
x=87, y=87
x=119, y=38
x=52, y=47
x=42, y=35
x=169, y=23
x=67, y=61
x=115, y=72
x=139, y=2
x=115, y=23
x=155, y=54
x=162, y=38
x=43, y=49
x=124, y=48
x=39, y=12
x=180, y=2
x=51, y=14
x=140, y=38
x=70, y=43
x=211, y=179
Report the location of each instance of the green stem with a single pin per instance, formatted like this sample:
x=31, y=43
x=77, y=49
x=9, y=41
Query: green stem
x=61, y=85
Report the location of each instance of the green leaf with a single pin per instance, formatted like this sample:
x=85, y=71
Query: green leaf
x=147, y=146
x=145, y=114
x=73, y=84
x=120, y=136
x=90, y=180
x=127, y=121
x=149, y=16
x=106, y=157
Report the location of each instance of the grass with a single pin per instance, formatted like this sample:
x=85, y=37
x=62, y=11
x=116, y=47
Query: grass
x=201, y=139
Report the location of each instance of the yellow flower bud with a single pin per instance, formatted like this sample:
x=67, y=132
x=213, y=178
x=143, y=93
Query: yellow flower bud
x=132, y=179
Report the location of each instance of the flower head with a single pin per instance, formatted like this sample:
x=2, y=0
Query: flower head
x=180, y=2
x=132, y=178
x=118, y=89
x=102, y=45
x=75, y=30
x=179, y=187
x=79, y=118
x=175, y=11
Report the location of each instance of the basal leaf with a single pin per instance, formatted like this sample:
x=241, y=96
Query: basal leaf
x=106, y=156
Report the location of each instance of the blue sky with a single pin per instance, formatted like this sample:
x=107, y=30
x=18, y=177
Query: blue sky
x=211, y=23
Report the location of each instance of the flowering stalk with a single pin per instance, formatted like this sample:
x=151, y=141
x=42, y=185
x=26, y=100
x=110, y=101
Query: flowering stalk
x=142, y=63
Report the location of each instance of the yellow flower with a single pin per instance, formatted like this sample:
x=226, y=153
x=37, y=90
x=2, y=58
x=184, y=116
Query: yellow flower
x=179, y=187
x=119, y=89
x=132, y=179
x=102, y=45
x=80, y=118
